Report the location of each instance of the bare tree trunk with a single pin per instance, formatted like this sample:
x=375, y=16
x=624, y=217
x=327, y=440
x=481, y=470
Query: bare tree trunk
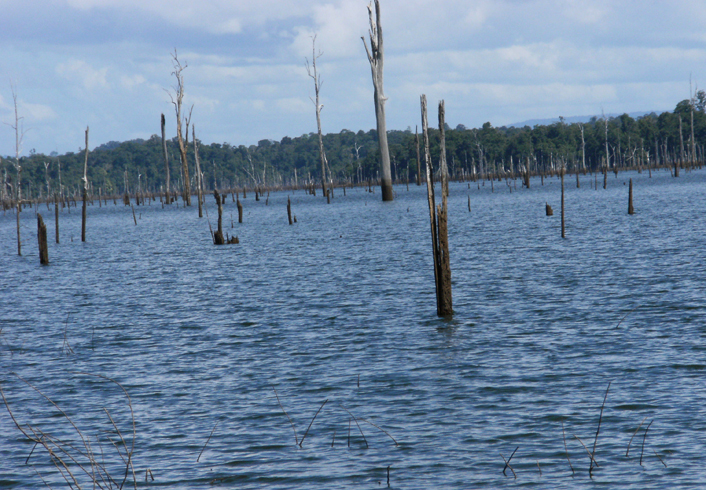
x=437, y=218
x=376, y=58
x=56, y=216
x=85, y=191
x=166, y=160
x=289, y=210
x=199, y=176
x=218, y=236
x=177, y=100
x=679, y=163
x=446, y=307
x=419, y=162
x=42, y=239
x=19, y=136
x=631, y=209
x=563, y=230
x=311, y=71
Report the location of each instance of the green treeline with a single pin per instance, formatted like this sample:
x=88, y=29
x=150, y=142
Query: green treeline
x=136, y=165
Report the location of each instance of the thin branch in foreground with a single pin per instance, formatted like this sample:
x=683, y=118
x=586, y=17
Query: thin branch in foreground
x=312, y=422
x=507, y=463
x=598, y=430
x=566, y=449
x=356, y=423
x=204, y=446
x=660, y=459
x=296, y=439
x=643, y=440
x=633, y=436
x=587, y=451
x=388, y=434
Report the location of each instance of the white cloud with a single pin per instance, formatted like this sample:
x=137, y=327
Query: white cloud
x=37, y=112
x=83, y=73
x=131, y=81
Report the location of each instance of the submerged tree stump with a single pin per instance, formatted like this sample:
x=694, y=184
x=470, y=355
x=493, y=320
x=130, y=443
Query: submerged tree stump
x=218, y=236
x=42, y=239
x=289, y=210
x=240, y=208
x=631, y=209
x=438, y=216
x=549, y=210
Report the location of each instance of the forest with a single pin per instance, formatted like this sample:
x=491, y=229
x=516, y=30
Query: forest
x=116, y=168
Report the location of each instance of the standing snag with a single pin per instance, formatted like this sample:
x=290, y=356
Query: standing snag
x=42, y=239
x=376, y=57
x=85, y=191
x=177, y=99
x=311, y=71
x=438, y=215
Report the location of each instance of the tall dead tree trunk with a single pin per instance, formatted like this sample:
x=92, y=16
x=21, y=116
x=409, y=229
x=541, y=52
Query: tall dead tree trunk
x=42, y=241
x=419, y=163
x=218, y=236
x=85, y=191
x=680, y=162
x=311, y=71
x=199, y=176
x=376, y=57
x=166, y=161
x=19, y=136
x=177, y=99
x=438, y=216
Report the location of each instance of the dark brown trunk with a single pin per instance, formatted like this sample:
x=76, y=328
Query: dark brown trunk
x=218, y=236
x=289, y=210
x=42, y=239
x=631, y=210
x=240, y=208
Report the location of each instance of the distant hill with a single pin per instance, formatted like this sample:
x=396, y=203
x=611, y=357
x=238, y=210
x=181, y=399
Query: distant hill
x=570, y=120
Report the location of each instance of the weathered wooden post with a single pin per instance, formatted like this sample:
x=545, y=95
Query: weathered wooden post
x=631, y=210
x=240, y=208
x=548, y=209
x=42, y=239
x=438, y=216
x=563, y=232
x=56, y=216
x=289, y=210
x=85, y=191
x=218, y=236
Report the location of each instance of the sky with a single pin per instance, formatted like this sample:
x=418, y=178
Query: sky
x=107, y=64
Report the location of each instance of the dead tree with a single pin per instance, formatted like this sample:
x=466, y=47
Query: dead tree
x=19, y=136
x=311, y=71
x=85, y=191
x=438, y=215
x=177, y=99
x=419, y=163
x=42, y=241
x=166, y=161
x=218, y=236
x=199, y=176
x=375, y=57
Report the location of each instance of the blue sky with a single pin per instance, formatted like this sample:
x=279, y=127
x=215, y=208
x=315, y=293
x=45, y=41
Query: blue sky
x=106, y=64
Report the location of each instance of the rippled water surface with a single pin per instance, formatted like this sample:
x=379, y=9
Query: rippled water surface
x=340, y=307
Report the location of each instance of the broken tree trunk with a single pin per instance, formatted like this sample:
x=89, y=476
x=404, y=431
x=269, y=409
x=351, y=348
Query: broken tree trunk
x=438, y=216
x=42, y=239
x=289, y=210
x=166, y=161
x=240, y=208
x=199, y=176
x=56, y=216
x=376, y=59
x=218, y=236
x=563, y=232
x=419, y=162
x=85, y=191
x=631, y=210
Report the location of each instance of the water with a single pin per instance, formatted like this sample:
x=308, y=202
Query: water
x=340, y=307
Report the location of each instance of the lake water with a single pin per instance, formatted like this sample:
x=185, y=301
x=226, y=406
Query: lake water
x=341, y=307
